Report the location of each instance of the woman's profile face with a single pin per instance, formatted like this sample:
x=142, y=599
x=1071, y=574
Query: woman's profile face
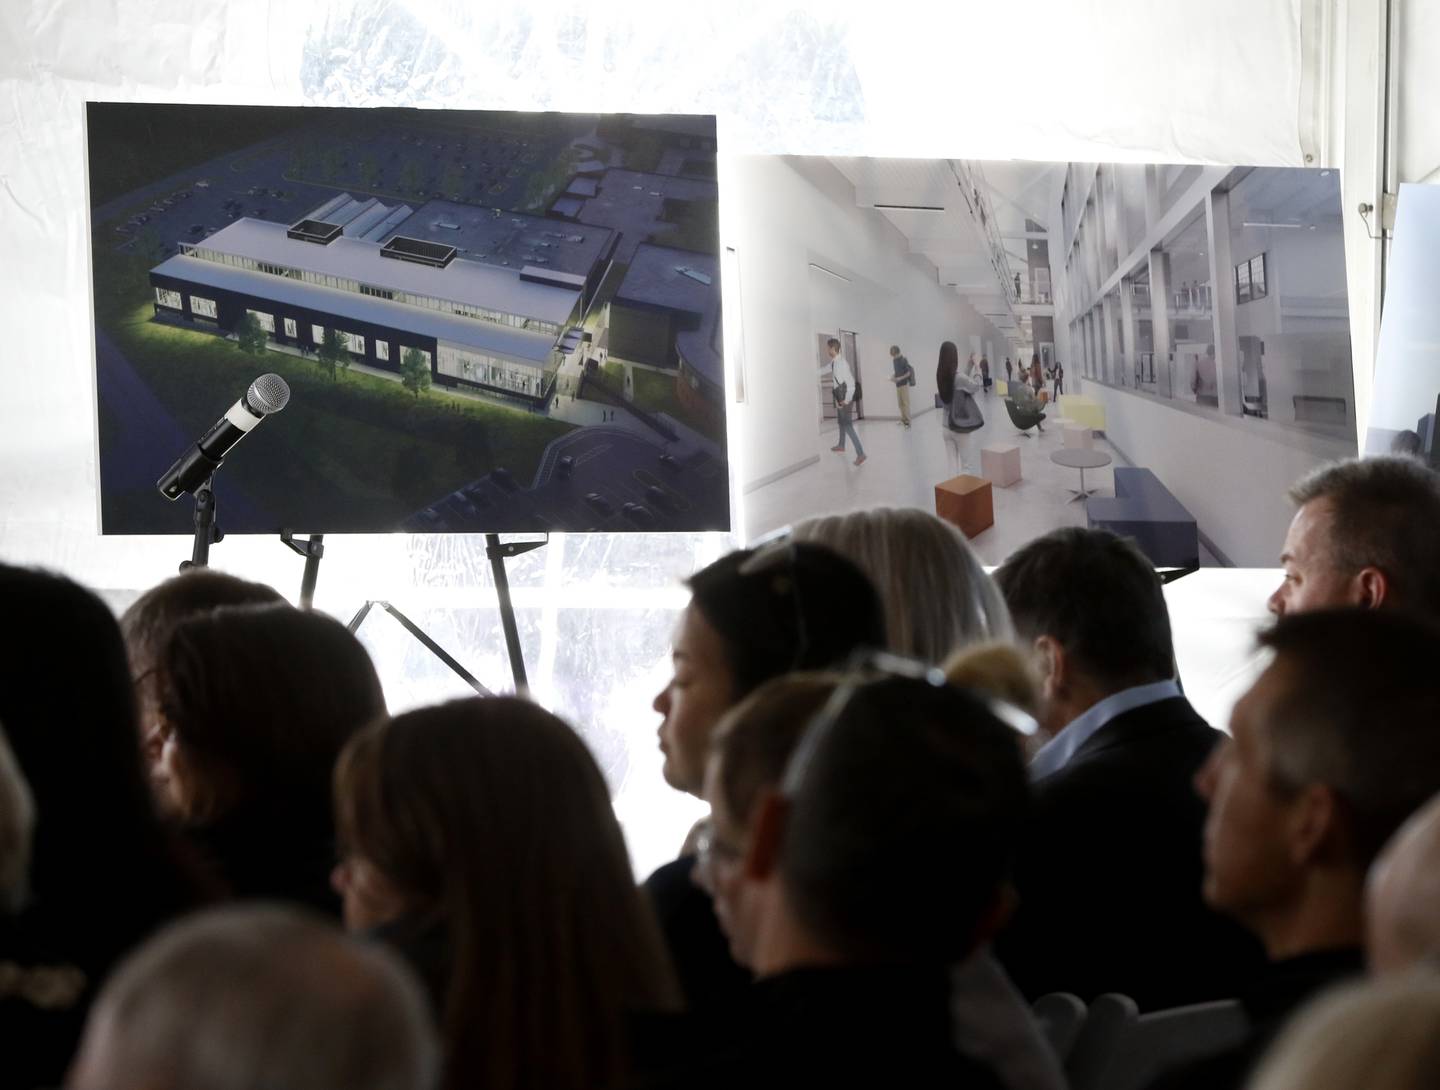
x=701, y=688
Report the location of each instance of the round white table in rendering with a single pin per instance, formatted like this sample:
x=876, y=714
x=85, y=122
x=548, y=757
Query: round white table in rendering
x=1081, y=460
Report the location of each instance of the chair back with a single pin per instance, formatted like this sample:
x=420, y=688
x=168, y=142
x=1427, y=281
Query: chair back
x=1061, y=1017
x=1109, y=1021
x=1159, y=1040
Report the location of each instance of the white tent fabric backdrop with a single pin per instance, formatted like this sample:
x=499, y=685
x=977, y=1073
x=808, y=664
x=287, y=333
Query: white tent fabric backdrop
x=1136, y=80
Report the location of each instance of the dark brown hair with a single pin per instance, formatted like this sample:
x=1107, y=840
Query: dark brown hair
x=492, y=814
x=754, y=740
x=147, y=624
x=263, y=698
x=1358, y=715
x=945, y=370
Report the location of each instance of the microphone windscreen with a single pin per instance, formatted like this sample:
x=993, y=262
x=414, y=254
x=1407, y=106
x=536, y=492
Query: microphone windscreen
x=268, y=394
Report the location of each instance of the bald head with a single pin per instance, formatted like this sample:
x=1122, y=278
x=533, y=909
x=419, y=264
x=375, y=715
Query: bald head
x=1404, y=889
x=244, y=997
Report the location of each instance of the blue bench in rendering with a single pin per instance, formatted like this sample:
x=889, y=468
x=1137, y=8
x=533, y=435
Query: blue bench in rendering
x=1144, y=509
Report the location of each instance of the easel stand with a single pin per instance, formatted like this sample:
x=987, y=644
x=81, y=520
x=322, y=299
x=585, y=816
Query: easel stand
x=312, y=549
x=497, y=552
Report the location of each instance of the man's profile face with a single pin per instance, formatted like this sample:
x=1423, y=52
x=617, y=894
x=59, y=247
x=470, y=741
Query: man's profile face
x=1312, y=580
x=1248, y=866
x=831, y=351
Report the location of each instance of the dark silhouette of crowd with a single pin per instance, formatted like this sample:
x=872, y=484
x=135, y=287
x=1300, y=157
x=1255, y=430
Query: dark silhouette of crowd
x=965, y=830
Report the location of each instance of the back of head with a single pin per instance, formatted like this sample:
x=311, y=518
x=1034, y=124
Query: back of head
x=937, y=597
x=945, y=369
x=147, y=624
x=1382, y=1036
x=998, y=670
x=492, y=814
x=788, y=606
x=1098, y=597
x=68, y=708
x=17, y=826
x=1354, y=712
x=1402, y=925
x=1385, y=514
x=906, y=805
x=755, y=739
x=262, y=699
x=258, y=997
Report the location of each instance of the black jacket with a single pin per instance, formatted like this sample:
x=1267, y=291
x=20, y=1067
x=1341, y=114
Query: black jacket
x=709, y=976
x=1110, y=872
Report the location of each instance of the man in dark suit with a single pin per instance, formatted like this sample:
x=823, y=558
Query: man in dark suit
x=1109, y=875
x=1331, y=750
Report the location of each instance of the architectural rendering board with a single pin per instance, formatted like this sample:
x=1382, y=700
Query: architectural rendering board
x=1192, y=321
x=488, y=321
x=1406, y=397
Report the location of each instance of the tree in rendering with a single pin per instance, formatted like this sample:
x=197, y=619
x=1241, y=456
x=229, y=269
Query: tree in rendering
x=415, y=371
x=331, y=351
x=249, y=334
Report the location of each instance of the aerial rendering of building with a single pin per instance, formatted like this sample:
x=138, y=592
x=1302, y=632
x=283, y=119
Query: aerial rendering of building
x=491, y=299
x=666, y=313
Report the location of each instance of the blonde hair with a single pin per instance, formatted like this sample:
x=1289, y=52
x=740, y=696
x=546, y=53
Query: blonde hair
x=996, y=669
x=936, y=595
x=17, y=827
x=1382, y=1036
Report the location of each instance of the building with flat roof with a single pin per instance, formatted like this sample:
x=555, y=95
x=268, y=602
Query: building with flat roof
x=514, y=240
x=666, y=313
x=478, y=324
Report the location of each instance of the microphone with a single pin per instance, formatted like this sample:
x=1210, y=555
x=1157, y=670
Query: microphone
x=267, y=394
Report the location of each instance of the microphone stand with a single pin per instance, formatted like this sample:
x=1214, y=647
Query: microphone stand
x=207, y=531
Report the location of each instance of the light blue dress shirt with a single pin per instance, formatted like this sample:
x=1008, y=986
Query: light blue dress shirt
x=1056, y=753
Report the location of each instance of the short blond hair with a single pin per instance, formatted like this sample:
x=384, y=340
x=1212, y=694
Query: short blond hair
x=1382, y=1036
x=996, y=669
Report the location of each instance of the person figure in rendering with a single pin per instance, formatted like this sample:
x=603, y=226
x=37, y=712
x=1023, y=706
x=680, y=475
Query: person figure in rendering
x=1059, y=374
x=984, y=372
x=904, y=378
x=1017, y=287
x=842, y=379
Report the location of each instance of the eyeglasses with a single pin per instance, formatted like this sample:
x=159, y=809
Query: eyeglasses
x=711, y=848
x=867, y=668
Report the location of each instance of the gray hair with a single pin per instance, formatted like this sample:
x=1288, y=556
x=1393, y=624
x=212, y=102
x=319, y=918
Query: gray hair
x=244, y=997
x=1382, y=1036
x=17, y=829
x=937, y=597
x=1385, y=513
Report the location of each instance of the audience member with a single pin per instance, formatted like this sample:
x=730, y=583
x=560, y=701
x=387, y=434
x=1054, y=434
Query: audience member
x=256, y=703
x=1366, y=533
x=147, y=624
x=878, y=866
x=17, y=828
x=259, y=996
x=480, y=841
x=937, y=597
x=999, y=670
x=1109, y=876
x=1331, y=749
x=1402, y=897
x=1379, y=1036
x=103, y=872
x=750, y=749
x=753, y=615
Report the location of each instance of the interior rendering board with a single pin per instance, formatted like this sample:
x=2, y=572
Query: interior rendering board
x=487, y=321
x=1157, y=349
x=1405, y=400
